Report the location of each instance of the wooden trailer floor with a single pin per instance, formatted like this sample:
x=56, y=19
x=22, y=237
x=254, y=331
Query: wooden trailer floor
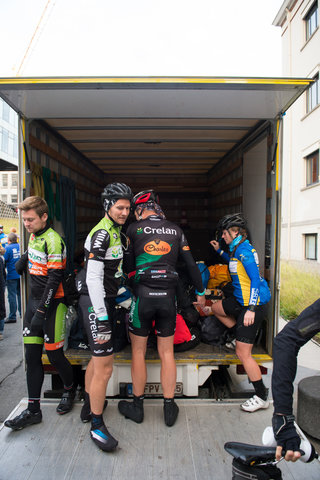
x=60, y=447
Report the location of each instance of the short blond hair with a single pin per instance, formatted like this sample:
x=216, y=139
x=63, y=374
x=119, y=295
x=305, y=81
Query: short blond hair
x=38, y=204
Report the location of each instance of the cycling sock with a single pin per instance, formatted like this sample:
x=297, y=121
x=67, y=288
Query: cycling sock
x=96, y=421
x=34, y=405
x=86, y=410
x=260, y=389
x=69, y=389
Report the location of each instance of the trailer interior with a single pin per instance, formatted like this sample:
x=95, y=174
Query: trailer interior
x=208, y=146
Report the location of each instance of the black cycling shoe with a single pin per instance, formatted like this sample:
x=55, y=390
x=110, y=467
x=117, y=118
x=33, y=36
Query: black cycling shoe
x=66, y=402
x=170, y=412
x=24, y=419
x=85, y=414
x=132, y=410
x=103, y=439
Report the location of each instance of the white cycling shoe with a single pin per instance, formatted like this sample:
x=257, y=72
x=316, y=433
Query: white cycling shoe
x=254, y=403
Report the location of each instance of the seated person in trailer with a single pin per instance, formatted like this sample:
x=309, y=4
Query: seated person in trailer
x=245, y=309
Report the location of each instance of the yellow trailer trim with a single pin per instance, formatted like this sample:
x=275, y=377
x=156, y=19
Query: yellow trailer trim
x=154, y=80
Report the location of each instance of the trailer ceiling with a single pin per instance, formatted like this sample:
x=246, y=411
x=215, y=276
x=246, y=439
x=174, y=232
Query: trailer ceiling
x=152, y=126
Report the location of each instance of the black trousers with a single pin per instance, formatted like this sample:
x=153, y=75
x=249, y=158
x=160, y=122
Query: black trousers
x=285, y=351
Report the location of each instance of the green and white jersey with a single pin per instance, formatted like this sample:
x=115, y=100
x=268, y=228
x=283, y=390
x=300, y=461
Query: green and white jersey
x=103, y=256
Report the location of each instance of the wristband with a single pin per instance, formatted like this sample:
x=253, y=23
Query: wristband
x=221, y=252
x=201, y=294
x=251, y=308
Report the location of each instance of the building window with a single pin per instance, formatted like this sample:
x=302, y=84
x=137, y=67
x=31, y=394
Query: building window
x=312, y=168
x=14, y=198
x=313, y=94
x=5, y=112
x=311, y=246
x=311, y=20
x=4, y=198
x=4, y=179
x=14, y=180
x=4, y=140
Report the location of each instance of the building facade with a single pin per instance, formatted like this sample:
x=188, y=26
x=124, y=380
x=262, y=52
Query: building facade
x=8, y=154
x=299, y=22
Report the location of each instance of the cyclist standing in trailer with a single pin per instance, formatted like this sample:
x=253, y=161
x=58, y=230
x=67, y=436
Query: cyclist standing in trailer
x=103, y=265
x=154, y=247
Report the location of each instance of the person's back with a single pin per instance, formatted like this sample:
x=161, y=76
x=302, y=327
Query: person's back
x=153, y=249
x=11, y=256
x=244, y=271
x=156, y=247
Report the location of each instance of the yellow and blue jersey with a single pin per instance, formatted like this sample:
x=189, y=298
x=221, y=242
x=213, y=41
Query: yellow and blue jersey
x=249, y=287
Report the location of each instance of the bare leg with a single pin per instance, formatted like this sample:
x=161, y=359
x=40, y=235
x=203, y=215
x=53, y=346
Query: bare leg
x=243, y=351
x=168, y=375
x=101, y=373
x=138, y=363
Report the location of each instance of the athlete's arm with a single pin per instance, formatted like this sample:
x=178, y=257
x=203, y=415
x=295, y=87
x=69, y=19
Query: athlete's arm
x=252, y=270
x=95, y=271
x=192, y=267
x=128, y=256
x=22, y=264
x=56, y=265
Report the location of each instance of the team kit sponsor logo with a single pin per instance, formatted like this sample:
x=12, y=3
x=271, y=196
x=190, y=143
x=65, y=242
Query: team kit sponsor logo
x=157, y=247
x=158, y=231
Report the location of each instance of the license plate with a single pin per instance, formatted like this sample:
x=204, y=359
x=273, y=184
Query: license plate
x=155, y=389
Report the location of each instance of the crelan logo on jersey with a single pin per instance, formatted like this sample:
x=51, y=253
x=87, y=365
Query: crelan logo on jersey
x=139, y=230
x=157, y=247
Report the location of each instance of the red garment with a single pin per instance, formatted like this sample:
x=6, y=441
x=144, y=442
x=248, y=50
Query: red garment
x=182, y=333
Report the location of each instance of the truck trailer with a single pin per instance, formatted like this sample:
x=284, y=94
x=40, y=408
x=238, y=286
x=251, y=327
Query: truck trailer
x=207, y=146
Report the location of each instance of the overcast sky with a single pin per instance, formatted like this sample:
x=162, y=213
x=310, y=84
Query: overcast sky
x=140, y=38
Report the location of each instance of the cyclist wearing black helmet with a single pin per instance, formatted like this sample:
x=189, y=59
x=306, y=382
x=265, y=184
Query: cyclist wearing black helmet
x=244, y=310
x=103, y=263
x=155, y=244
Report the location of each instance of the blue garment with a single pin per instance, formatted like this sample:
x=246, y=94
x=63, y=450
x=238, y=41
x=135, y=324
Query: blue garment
x=11, y=256
x=3, y=240
x=249, y=287
x=14, y=297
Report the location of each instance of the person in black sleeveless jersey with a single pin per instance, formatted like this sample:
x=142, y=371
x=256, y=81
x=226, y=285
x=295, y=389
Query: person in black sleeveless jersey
x=150, y=260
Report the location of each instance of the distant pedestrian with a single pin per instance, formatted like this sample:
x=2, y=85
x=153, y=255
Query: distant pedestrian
x=3, y=240
x=2, y=303
x=11, y=256
x=14, y=230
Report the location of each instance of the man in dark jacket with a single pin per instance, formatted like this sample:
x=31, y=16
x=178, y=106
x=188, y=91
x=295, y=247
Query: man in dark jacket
x=285, y=351
x=150, y=260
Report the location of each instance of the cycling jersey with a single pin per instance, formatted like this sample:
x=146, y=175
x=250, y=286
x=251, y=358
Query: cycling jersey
x=154, y=247
x=249, y=287
x=155, y=244
x=46, y=264
x=103, y=258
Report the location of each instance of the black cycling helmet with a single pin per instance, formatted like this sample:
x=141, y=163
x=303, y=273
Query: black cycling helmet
x=232, y=220
x=113, y=192
x=144, y=197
